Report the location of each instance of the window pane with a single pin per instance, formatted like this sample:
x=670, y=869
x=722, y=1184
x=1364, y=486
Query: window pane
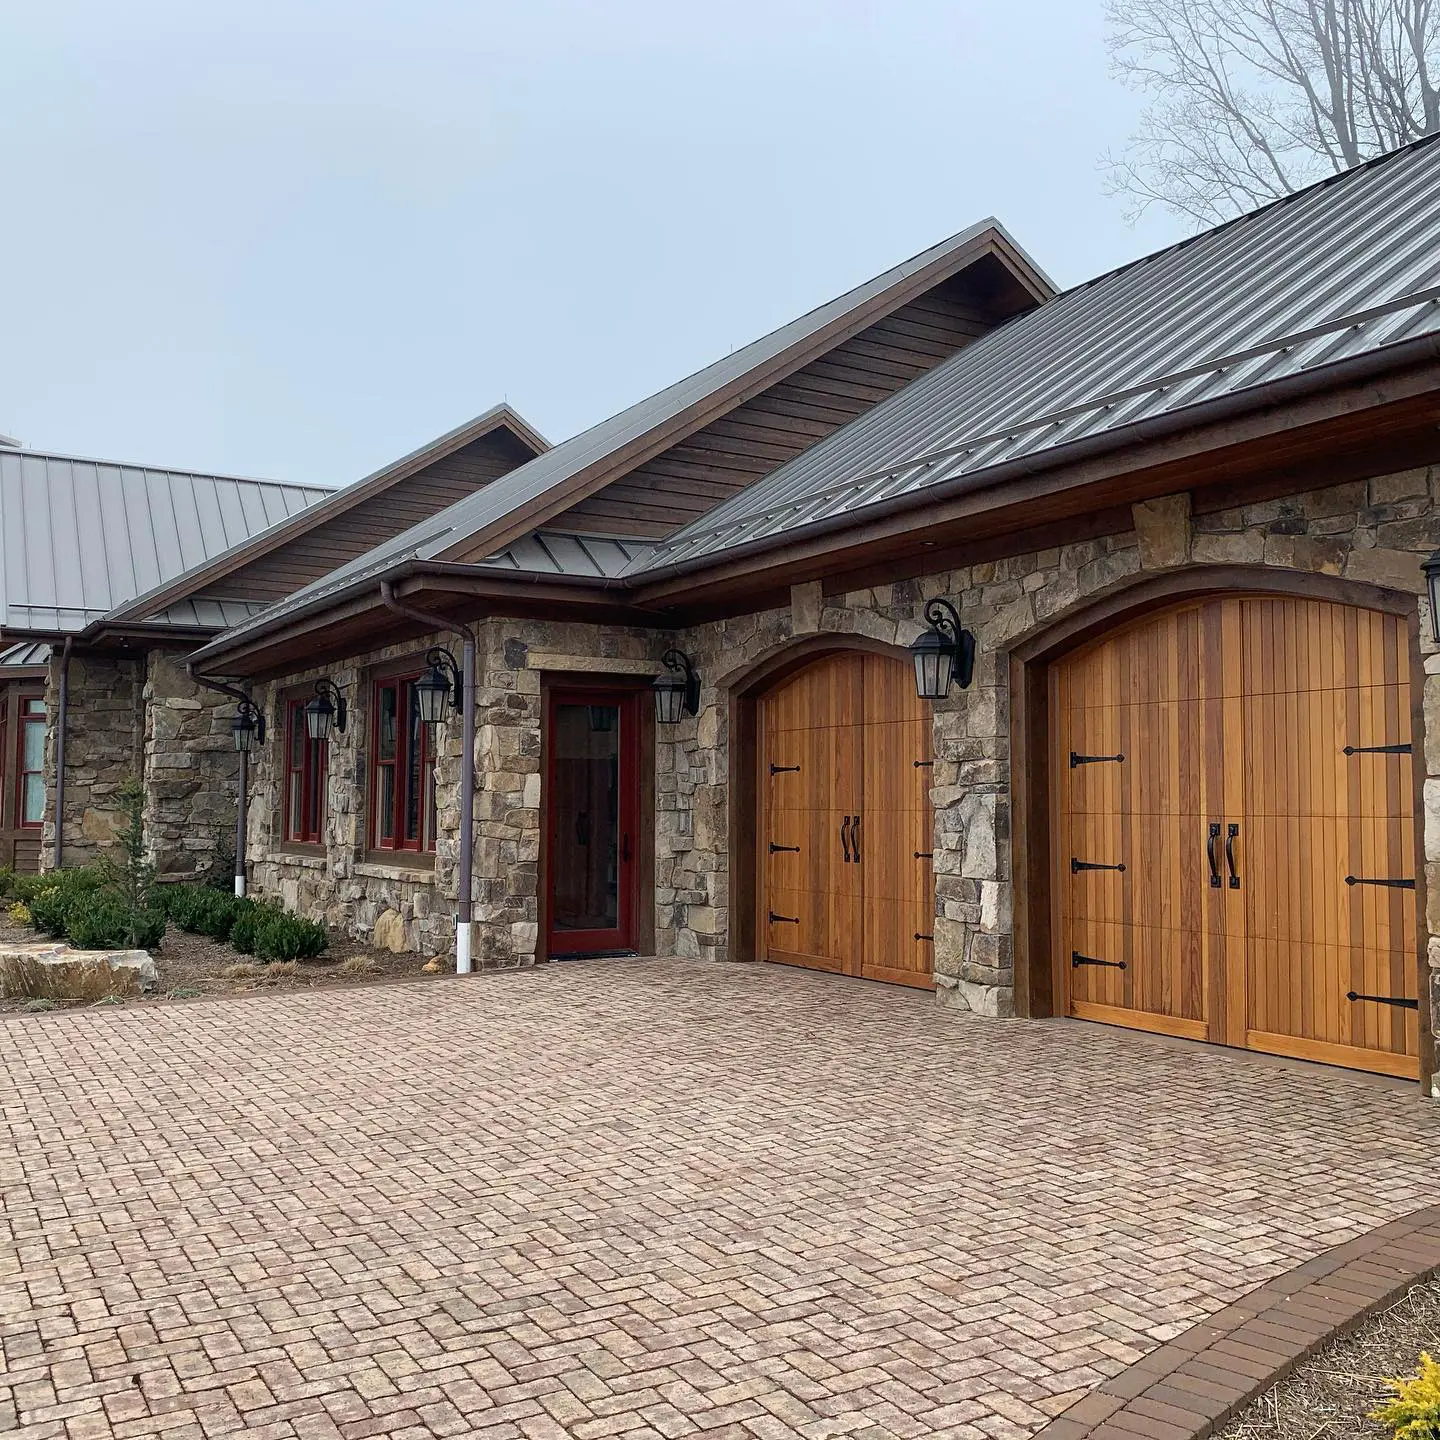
x=315, y=784
x=32, y=810
x=34, y=756
x=297, y=734
x=385, y=741
x=385, y=806
x=414, y=764
x=297, y=790
x=35, y=707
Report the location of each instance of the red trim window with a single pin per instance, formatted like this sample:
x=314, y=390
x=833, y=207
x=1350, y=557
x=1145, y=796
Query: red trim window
x=305, y=767
x=30, y=764
x=403, y=784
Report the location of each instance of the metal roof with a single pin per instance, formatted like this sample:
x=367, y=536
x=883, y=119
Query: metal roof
x=551, y=552
x=549, y=472
x=1343, y=268
x=26, y=653
x=79, y=537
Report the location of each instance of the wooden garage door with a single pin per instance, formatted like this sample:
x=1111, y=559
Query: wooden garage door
x=1236, y=828
x=845, y=825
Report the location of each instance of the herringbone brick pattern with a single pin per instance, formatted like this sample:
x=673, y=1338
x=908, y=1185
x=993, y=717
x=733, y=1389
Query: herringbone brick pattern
x=639, y=1198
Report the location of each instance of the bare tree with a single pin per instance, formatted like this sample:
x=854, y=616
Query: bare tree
x=1252, y=99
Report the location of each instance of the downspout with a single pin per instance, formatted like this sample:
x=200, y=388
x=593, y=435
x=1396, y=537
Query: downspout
x=463, y=964
x=63, y=709
x=241, y=802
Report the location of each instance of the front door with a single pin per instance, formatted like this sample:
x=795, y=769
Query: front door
x=591, y=815
x=1235, y=830
x=845, y=824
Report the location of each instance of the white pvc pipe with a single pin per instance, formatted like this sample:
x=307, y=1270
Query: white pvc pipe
x=240, y=886
x=462, y=947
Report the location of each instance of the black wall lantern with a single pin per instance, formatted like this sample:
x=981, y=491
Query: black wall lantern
x=1432, y=578
x=247, y=727
x=438, y=686
x=326, y=709
x=944, y=654
x=677, y=692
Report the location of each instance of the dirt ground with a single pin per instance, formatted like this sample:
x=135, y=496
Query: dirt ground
x=192, y=966
x=1330, y=1396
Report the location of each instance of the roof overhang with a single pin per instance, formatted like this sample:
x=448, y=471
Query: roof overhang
x=1358, y=417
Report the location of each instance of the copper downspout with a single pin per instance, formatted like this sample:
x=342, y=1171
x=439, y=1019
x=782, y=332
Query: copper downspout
x=62, y=709
x=235, y=693
x=463, y=963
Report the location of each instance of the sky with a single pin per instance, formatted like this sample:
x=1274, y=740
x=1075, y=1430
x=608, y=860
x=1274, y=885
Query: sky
x=299, y=238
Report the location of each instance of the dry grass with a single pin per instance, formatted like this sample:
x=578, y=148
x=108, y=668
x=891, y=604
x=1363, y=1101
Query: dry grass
x=1330, y=1396
x=243, y=970
x=359, y=965
x=278, y=969
x=24, y=978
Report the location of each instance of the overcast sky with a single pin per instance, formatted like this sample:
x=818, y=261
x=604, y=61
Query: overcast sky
x=297, y=238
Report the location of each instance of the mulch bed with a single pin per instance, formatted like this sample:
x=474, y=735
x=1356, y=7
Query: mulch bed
x=1330, y=1396
x=191, y=966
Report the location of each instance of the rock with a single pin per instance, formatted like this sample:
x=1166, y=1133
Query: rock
x=1163, y=529
x=101, y=826
x=1395, y=569
x=389, y=932
x=433, y=967
x=806, y=602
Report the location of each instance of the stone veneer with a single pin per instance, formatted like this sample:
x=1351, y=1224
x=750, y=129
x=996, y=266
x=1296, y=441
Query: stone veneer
x=1376, y=531
x=142, y=717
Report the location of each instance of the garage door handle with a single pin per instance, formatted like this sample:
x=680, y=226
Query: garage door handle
x=1230, y=833
x=1210, y=840
x=855, y=838
x=845, y=837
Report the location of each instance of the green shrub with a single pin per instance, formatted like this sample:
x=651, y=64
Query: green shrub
x=102, y=920
x=201, y=910
x=279, y=936
x=51, y=897
x=248, y=914
x=7, y=880
x=1414, y=1413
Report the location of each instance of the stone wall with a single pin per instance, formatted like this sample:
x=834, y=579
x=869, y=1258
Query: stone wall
x=104, y=747
x=192, y=770
x=1376, y=532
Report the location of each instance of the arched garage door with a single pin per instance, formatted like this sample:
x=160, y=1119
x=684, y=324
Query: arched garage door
x=845, y=827
x=1235, y=849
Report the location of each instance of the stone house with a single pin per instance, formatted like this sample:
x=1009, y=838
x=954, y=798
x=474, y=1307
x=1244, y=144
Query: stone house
x=113, y=574
x=1068, y=654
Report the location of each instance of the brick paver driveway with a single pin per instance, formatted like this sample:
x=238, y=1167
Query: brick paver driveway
x=639, y=1198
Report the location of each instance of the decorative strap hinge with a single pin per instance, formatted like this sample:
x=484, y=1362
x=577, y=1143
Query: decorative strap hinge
x=1399, y=1001
x=1388, y=884
x=784, y=849
x=1077, y=959
x=785, y=919
x=1076, y=866
x=1378, y=750
x=783, y=769
x=1093, y=759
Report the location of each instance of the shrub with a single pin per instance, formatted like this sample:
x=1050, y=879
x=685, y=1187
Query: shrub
x=279, y=936
x=1414, y=1413
x=101, y=920
x=19, y=912
x=130, y=878
x=7, y=879
x=51, y=897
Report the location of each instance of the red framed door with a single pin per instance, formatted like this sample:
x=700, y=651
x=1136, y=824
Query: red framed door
x=591, y=813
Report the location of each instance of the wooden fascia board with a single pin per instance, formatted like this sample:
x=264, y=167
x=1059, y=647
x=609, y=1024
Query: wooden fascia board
x=340, y=502
x=606, y=469
x=843, y=545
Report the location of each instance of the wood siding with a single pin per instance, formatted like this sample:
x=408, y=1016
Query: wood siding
x=692, y=477
x=408, y=502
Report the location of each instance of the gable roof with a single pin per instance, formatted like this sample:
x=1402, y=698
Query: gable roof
x=493, y=520
x=78, y=537
x=156, y=601
x=1342, y=269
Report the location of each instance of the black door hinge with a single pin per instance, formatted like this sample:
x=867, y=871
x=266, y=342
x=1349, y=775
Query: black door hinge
x=1388, y=884
x=1076, y=866
x=1378, y=750
x=1077, y=959
x=782, y=769
x=1093, y=759
x=787, y=919
x=785, y=849
x=1398, y=1001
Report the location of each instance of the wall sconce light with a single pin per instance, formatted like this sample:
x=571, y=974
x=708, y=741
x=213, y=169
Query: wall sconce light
x=677, y=693
x=439, y=684
x=1432, y=578
x=944, y=654
x=247, y=727
x=326, y=709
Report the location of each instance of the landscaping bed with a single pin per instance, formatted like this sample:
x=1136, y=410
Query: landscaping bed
x=1331, y=1395
x=190, y=966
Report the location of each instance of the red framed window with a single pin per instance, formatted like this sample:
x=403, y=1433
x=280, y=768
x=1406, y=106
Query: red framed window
x=305, y=767
x=30, y=764
x=403, y=783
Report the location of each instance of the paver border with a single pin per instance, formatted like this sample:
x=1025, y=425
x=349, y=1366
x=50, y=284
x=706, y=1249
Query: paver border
x=1192, y=1385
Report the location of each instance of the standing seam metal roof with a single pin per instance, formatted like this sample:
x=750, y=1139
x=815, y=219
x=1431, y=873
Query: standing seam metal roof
x=1346, y=267
x=78, y=537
